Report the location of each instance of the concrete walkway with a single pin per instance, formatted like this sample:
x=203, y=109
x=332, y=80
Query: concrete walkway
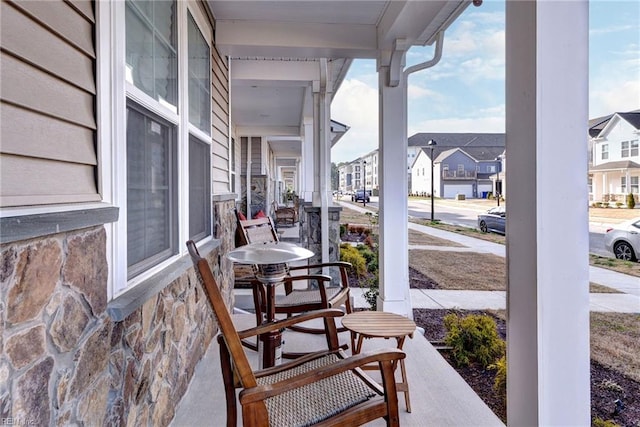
x=626, y=302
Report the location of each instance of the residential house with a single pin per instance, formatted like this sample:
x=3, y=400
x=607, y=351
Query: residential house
x=467, y=164
x=614, y=167
x=129, y=127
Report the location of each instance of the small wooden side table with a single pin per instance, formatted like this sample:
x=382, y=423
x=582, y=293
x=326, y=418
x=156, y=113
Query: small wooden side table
x=379, y=324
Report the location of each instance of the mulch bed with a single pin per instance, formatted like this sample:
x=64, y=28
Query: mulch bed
x=613, y=396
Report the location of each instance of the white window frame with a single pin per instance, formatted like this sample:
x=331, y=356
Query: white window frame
x=604, y=152
x=634, y=148
x=113, y=92
x=624, y=149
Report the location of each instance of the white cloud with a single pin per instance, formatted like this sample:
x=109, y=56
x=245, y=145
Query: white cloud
x=416, y=92
x=487, y=120
x=614, y=97
x=356, y=105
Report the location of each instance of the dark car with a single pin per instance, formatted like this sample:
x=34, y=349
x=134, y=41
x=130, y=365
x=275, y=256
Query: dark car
x=360, y=196
x=494, y=220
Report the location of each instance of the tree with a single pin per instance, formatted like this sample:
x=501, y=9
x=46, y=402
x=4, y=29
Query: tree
x=335, y=177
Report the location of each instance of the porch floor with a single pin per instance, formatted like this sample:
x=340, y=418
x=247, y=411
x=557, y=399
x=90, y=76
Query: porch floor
x=439, y=396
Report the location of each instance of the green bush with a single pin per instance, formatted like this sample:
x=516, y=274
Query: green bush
x=599, y=422
x=473, y=338
x=350, y=254
x=371, y=294
x=343, y=229
x=500, y=381
x=631, y=201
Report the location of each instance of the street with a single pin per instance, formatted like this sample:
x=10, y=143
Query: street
x=450, y=212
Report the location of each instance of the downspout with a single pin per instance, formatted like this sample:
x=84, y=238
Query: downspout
x=324, y=139
x=427, y=64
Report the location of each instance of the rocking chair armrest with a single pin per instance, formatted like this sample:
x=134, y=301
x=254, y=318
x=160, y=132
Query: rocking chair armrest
x=385, y=357
x=285, y=323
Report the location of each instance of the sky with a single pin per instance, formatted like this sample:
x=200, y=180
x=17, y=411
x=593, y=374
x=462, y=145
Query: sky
x=465, y=91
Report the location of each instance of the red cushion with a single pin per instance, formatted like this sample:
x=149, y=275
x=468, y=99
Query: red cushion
x=260, y=214
x=241, y=216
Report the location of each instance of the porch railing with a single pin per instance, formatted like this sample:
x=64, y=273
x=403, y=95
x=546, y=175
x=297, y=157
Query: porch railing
x=459, y=174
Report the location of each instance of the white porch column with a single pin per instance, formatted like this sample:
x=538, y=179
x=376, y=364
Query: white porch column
x=394, y=262
x=547, y=260
x=307, y=161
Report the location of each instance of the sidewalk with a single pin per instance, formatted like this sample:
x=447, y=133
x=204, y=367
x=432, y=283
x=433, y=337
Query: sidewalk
x=626, y=302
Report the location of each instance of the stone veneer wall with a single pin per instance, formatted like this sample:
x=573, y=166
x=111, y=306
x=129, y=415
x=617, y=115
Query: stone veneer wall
x=311, y=233
x=64, y=361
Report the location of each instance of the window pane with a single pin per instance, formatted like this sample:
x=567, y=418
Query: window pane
x=199, y=189
x=152, y=49
x=199, y=79
x=151, y=190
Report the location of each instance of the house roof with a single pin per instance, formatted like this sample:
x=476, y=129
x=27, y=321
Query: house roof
x=621, y=164
x=450, y=140
x=480, y=146
x=597, y=125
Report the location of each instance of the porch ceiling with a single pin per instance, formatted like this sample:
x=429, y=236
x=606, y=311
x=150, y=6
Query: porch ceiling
x=274, y=46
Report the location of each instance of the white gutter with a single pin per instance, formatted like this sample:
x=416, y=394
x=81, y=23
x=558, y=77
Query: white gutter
x=437, y=55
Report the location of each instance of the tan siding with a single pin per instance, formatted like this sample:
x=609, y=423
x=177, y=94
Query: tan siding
x=45, y=51
x=36, y=90
x=47, y=181
x=31, y=133
x=63, y=20
x=220, y=160
x=84, y=8
x=220, y=124
x=47, y=103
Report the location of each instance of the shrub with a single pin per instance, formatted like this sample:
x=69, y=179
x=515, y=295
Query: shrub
x=599, y=422
x=500, y=381
x=350, y=254
x=473, y=338
x=366, y=252
x=343, y=229
x=631, y=201
x=371, y=294
x=597, y=204
x=618, y=204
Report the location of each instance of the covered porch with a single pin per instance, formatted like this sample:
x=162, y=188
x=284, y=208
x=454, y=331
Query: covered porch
x=439, y=396
x=547, y=304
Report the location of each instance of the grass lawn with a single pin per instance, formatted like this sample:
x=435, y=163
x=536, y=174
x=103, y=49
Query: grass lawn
x=615, y=337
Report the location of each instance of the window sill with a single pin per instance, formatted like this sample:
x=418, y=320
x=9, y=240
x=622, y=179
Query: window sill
x=125, y=304
x=18, y=224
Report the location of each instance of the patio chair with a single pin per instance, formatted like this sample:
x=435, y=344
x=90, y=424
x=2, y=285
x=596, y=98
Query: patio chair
x=320, y=388
x=320, y=293
x=284, y=215
x=324, y=295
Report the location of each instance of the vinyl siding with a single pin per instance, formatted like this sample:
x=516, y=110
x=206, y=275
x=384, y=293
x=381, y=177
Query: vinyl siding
x=220, y=123
x=47, y=103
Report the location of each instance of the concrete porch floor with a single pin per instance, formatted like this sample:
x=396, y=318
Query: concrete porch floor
x=439, y=396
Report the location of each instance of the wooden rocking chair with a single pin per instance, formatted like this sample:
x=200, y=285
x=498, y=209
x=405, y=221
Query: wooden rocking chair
x=321, y=388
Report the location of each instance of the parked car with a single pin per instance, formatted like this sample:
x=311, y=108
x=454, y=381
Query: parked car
x=360, y=196
x=494, y=219
x=624, y=240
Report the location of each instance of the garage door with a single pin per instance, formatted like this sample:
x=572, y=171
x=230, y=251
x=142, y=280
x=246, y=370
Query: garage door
x=450, y=191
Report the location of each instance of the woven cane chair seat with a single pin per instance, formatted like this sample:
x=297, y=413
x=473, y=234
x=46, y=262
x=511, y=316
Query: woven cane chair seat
x=305, y=296
x=317, y=401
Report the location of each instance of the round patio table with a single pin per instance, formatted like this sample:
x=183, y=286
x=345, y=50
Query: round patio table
x=380, y=324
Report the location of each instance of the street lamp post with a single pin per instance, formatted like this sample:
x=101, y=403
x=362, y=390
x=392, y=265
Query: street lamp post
x=364, y=183
x=499, y=160
x=431, y=145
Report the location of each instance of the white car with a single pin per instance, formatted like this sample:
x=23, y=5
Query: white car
x=624, y=240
